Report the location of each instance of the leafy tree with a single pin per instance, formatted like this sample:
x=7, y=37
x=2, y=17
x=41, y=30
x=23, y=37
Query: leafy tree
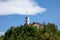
x=29, y=32
x=1, y=37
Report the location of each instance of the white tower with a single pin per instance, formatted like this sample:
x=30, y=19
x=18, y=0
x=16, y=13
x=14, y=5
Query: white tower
x=27, y=20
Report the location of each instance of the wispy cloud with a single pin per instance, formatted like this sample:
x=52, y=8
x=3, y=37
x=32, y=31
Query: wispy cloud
x=23, y=7
x=1, y=33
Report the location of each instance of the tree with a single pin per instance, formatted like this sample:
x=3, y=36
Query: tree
x=29, y=32
x=1, y=37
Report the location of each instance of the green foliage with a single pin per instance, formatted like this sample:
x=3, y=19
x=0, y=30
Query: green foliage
x=1, y=37
x=28, y=32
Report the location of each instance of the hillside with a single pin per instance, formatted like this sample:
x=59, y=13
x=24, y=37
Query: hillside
x=28, y=32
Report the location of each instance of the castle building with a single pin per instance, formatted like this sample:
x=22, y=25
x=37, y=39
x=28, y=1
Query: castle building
x=38, y=25
x=35, y=24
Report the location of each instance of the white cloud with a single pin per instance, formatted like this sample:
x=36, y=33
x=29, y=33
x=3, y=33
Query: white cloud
x=23, y=7
x=1, y=33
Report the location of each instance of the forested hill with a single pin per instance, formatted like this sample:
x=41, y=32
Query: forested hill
x=27, y=32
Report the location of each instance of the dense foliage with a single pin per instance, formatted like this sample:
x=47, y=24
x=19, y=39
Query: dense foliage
x=1, y=37
x=28, y=32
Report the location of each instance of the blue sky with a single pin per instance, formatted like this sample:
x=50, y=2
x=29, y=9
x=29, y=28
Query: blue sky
x=50, y=13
